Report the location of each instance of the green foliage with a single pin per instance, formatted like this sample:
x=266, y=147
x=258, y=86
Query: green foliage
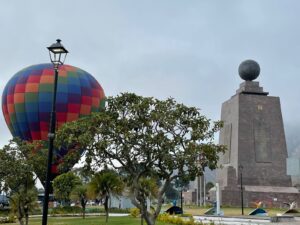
x=24, y=201
x=8, y=219
x=98, y=220
x=181, y=183
x=63, y=185
x=17, y=178
x=61, y=210
x=15, y=169
x=4, y=211
x=186, y=215
x=75, y=210
x=148, y=188
x=80, y=193
x=111, y=210
x=146, y=138
x=209, y=185
x=104, y=184
x=135, y=212
x=36, y=152
x=166, y=218
x=171, y=193
x=33, y=152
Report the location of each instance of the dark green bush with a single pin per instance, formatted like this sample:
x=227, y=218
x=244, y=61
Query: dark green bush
x=8, y=219
x=66, y=210
x=78, y=210
x=111, y=210
x=4, y=211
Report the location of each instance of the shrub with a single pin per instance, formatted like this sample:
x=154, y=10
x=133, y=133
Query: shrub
x=116, y=210
x=186, y=215
x=66, y=210
x=8, y=219
x=37, y=211
x=134, y=212
x=111, y=210
x=78, y=210
x=4, y=211
x=166, y=218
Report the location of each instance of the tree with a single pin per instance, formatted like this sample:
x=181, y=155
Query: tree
x=104, y=184
x=148, y=189
x=17, y=179
x=23, y=201
x=171, y=193
x=208, y=186
x=63, y=185
x=147, y=138
x=80, y=193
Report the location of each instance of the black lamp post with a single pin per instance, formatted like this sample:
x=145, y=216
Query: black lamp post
x=58, y=55
x=181, y=199
x=242, y=194
x=179, y=183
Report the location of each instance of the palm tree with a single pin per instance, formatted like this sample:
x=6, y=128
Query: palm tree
x=105, y=183
x=24, y=201
x=80, y=193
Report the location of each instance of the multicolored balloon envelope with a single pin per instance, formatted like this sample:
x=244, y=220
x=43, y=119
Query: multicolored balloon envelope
x=27, y=101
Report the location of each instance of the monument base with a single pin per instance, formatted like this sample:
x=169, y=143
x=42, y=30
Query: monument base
x=270, y=196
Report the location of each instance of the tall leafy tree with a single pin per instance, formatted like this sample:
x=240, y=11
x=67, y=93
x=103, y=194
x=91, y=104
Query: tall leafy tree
x=208, y=186
x=104, y=184
x=147, y=137
x=80, y=193
x=63, y=185
x=17, y=178
x=24, y=201
x=171, y=192
x=148, y=189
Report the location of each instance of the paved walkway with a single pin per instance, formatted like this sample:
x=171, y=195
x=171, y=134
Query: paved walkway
x=243, y=220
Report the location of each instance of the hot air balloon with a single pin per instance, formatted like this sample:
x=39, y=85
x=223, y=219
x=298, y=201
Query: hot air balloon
x=27, y=102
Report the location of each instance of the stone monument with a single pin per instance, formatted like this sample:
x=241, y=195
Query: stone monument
x=254, y=135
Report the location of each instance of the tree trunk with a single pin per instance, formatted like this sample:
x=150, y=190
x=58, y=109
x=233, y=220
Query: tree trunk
x=83, y=212
x=149, y=218
x=20, y=214
x=26, y=219
x=83, y=208
x=142, y=217
x=21, y=221
x=106, y=208
x=145, y=215
x=140, y=202
x=26, y=215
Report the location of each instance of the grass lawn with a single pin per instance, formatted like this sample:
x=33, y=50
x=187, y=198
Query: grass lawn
x=99, y=220
x=128, y=220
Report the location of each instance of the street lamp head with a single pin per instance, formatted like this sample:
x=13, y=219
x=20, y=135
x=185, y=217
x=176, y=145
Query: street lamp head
x=57, y=53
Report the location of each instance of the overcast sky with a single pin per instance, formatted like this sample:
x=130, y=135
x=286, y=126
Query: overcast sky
x=186, y=49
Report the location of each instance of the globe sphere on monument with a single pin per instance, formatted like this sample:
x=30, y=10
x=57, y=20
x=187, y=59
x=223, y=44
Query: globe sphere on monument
x=27, y=102
x=249, y=70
